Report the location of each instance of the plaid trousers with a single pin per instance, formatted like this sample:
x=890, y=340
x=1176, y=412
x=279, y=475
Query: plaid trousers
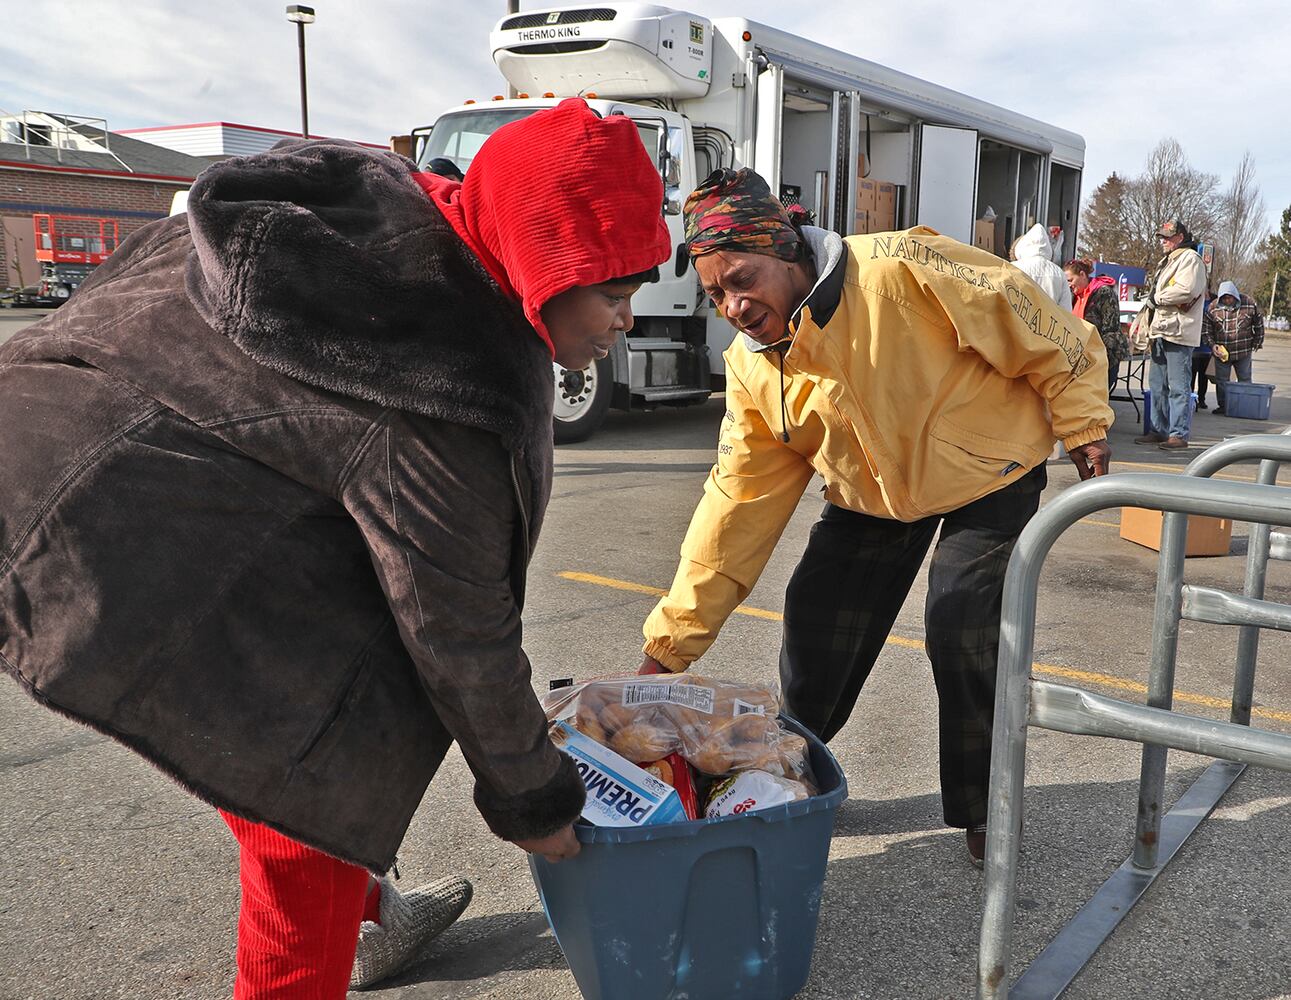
x=847, y=591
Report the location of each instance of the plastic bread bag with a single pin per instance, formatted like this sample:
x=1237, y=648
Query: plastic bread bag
x=609, y=712
x=718, y=726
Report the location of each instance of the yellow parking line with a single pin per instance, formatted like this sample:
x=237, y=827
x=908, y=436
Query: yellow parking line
x=1068, y=673
x=1158, y=467
x=1177, y=469
x=605, y=581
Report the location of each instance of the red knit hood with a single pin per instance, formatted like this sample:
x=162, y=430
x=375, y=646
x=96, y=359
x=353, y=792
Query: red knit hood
x=558, y=199
x=1102, y=281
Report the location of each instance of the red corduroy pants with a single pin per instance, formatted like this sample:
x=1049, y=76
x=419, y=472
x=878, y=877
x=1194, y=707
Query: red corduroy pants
x=299, y=920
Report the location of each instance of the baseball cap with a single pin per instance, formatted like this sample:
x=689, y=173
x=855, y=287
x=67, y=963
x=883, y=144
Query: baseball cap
x=1173, y=227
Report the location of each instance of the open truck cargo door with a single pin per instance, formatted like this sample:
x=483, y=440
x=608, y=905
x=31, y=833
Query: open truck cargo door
x=766, y=144
x=947, y=180
x=846, y=165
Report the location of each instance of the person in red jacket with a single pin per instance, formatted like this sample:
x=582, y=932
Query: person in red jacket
x=1094, y=300
x=272, y=480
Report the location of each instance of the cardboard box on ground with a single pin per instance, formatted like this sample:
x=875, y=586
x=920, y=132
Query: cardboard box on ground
x=1207, y=536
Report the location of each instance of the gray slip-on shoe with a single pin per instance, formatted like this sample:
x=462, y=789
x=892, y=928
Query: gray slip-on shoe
x=409, y=921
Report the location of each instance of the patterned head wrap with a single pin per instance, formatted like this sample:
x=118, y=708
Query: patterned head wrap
x=735, y=210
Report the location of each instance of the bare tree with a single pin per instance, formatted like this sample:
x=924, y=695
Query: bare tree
x=1169, y=187
x=16, y=261
x=1241, y=223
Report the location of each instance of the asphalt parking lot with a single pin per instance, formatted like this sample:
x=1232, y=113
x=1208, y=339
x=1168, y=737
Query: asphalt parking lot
x=119, y=884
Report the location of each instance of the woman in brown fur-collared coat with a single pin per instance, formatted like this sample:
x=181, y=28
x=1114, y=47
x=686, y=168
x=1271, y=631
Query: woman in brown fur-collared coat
x=271, y=484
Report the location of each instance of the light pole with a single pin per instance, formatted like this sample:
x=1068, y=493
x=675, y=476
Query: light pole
x=302, y=16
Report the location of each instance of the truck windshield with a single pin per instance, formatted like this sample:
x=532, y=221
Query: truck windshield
x=460, y=136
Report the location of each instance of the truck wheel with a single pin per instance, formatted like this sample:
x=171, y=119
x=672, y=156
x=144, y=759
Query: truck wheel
x=582, y=400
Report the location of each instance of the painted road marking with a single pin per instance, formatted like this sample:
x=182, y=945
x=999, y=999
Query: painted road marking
x=1156, y=467
x=1053, y=670
x=1177, y=469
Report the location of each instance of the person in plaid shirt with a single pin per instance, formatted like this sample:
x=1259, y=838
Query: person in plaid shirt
x=1234, y=323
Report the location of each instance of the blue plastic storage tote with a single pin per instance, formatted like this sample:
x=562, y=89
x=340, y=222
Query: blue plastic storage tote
x=1248, y=399
x=1147, y=411
x=706, y=910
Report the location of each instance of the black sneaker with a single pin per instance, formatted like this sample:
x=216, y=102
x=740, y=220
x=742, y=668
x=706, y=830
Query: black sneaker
x=1218, y=411
x=1201, y=405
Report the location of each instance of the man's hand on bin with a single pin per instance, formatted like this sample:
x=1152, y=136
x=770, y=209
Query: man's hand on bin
x=556, y=847
x=652, y=666
x=1091, y=459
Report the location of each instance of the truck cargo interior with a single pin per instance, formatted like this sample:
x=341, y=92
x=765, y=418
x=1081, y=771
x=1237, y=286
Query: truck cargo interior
x=815, y=125
x=1064, y=206
x=1008, y=181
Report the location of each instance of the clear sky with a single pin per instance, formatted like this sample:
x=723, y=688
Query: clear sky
x=1215, y=75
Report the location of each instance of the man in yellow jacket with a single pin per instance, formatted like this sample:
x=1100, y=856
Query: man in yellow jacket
x=925, y=382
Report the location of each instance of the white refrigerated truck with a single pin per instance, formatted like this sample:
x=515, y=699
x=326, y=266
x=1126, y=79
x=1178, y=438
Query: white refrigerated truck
x=816, y=122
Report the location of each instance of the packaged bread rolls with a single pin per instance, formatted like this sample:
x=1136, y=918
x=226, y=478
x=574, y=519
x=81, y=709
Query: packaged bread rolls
x=719, y=727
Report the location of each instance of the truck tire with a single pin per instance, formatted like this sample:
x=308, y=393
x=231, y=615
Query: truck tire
x=582, y=400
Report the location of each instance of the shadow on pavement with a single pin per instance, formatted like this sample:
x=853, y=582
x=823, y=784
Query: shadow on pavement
x=477, y=948
x=901, y=915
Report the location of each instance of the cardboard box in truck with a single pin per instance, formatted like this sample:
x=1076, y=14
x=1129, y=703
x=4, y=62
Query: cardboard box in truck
x=984, y=234
x=884, y=217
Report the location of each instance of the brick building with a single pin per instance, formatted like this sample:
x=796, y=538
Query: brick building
x=68, y=165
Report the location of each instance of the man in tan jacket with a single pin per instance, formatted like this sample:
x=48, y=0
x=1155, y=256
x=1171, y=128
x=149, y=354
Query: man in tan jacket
x=925, y=381
x=1170, y=325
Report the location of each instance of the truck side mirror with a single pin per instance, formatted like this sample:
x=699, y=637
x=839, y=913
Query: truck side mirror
x=671, y=170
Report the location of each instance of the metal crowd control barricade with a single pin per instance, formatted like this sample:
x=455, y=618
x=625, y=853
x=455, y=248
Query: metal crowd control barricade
x=1023, y=701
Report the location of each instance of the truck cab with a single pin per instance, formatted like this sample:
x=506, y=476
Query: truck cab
x=662, y=360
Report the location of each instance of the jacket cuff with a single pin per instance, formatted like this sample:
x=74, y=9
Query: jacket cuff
x=1096, y=433
x=657, y=650
x=538, y=812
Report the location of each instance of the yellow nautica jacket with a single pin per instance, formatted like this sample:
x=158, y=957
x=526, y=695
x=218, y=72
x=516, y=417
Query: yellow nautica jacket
x=922, y=375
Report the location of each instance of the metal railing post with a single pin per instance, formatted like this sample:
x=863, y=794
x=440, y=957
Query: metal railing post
x=1248, y=636
x=1008, y=765
x=1165, y=646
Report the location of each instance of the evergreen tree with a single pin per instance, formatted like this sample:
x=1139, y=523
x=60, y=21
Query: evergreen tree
x=1103, y=229
x=1275, y=257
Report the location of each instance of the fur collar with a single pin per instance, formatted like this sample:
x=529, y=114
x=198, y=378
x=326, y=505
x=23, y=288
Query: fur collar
x=324, y=261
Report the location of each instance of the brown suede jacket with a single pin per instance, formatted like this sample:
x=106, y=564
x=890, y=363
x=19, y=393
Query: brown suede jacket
x=271, y=483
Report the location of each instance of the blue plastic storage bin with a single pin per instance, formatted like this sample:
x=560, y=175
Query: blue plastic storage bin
x=1248, y=399
x=706, y=910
